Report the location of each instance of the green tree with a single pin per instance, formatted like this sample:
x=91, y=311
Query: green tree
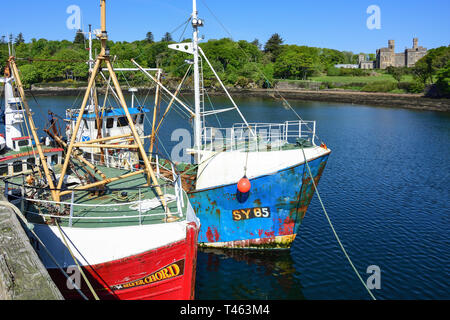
x=296, y=62
x=167, y=37
x=19, y=39
x=428, y=66
x=79, y=37
x=396, y=72
x=29, y=75
x=256, y=43
x=443, y=80
x=331, y=57
x=149, y=37
x=273, y=46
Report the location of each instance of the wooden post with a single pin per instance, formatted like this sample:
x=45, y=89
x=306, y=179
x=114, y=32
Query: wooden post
x=77, y=126
x=152, y=139
x=103, y=182
x=79, y=157
x=150, y=173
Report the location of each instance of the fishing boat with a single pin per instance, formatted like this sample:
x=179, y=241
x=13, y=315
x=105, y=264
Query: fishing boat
x=102, y=231
x=101, y=119
x=249, y=182
x=18, y=152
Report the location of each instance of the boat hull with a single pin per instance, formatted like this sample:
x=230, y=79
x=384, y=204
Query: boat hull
x=164, y=272
x=267, y=217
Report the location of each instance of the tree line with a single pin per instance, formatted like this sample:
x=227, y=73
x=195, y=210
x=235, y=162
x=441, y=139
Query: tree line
x=238, y=63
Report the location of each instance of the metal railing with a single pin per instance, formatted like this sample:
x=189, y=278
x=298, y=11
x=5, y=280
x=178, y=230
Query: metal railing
x=261, y=137
x=19, y=193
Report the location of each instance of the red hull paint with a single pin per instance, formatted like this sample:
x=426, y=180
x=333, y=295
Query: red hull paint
x=145, y=276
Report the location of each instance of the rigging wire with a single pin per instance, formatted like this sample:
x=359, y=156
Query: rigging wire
x=76, y=261
x=332, y=227
x=185, y=23
x=285, y=102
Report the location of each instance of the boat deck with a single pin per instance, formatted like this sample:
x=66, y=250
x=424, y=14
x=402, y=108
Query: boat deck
x=123, y=202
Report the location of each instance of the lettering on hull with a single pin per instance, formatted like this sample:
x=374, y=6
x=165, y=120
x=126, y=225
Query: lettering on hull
x=250, y=213
x=168, y=272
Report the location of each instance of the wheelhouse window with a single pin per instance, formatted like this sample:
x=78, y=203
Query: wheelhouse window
x=122, y=122
x=109, y=123
x=54, y=159
x=17, y=166
x=23, y=143
x=3, y=169
x=30, y=162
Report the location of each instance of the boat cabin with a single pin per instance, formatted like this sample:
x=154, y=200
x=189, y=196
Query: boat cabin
x=23, y=157
x=114, y=123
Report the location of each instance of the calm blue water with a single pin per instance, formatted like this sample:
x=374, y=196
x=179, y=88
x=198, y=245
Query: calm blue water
x=385, y=188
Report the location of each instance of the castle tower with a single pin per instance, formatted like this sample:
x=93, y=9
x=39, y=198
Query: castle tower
x=415, y=43
x=361, y=58
x=391, y=44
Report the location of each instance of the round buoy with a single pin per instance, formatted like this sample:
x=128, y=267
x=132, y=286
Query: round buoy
x=244, y=185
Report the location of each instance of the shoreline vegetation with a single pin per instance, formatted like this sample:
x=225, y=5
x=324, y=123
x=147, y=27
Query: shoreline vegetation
x=249, y=68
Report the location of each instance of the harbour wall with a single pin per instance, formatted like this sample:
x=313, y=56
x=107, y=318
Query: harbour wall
x=22, y=274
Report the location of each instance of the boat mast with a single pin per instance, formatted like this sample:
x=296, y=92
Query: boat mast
x=197, y=120
x=33, y=129
x=104, y=57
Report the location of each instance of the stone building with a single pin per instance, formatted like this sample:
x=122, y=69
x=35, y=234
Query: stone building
x=387, y=57
x=364, y=62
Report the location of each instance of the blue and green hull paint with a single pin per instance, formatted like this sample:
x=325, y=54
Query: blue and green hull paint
x=230, y=219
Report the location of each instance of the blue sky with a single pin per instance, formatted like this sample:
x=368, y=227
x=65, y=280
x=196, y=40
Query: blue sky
x=339, y=25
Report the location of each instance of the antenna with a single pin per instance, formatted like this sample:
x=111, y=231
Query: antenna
x=196, y=22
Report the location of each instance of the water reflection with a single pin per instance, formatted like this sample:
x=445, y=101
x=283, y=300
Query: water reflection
x=246, y=274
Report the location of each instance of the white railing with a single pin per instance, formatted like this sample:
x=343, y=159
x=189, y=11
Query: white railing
x=261, y=137
x=175, y=190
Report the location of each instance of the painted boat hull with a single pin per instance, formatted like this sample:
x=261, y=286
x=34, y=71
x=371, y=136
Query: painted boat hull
x=267, y=217
x=165, y=272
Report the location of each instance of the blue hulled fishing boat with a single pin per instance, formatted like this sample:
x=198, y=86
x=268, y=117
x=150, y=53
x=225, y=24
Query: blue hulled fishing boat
x=249, y=183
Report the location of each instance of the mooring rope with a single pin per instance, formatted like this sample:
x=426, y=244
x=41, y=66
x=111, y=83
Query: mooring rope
x=332, y=227
x=76, y=261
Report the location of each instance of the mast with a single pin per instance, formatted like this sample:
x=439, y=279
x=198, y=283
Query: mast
x=15, y=72
x=197, y=120
x=104, y=57
x=91, y=61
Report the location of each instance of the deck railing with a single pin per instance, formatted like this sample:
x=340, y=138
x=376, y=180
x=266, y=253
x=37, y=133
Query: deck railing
x=259, y=137
x=171, y=188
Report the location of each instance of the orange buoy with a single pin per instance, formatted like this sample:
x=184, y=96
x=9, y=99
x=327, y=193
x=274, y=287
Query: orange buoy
x=244, y=185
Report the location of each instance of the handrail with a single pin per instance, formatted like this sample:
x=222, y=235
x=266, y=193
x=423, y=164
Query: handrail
x=277, y=134
x=168, y=183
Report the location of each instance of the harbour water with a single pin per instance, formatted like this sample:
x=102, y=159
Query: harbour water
x=385, y=188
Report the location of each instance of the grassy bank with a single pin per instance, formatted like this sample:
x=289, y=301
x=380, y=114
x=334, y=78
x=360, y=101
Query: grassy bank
x=379, y=82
